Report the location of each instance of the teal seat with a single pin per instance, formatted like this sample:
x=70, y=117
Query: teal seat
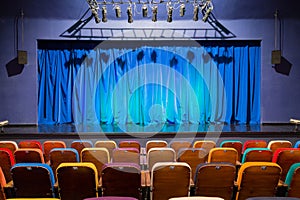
x=257, y=155
x=292, y=180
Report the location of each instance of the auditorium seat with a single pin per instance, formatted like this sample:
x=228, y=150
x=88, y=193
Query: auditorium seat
x=192, y=156
x=122, y=179
x=254, y=144
x=33, y=180
x=160, y=154
x=111, y=198
x=223, y=154
x=130, y=144
x=77, y=181
x=215, y=179
x=97, y=156
x=285, y=158
x=62, y=155
x=204, y=144
x=127, y=155
x=170, y=179
x=48, y=145
x=110, y=145
x=297, y=144
x=257, y=155
x=293, y=181
x=176, y=145
x=7, y=160
x=81, y=144
x=237, y=144
x=12, y=145
x=155, y=143
x=29, y=155
x=196, y=198
x=30, y=144
x=276, y=144
x=257, y=179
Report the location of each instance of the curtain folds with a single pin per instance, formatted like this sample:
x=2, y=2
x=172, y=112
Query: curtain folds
x=149, y=85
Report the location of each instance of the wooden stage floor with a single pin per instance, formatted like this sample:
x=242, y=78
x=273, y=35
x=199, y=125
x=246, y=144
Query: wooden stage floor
x=216, y=132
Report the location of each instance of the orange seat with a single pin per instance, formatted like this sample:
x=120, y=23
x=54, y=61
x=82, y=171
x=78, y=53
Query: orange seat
x=130, y=144
x=49, y=145
x=12, y=145
x=81, y=144
x=7, y=161
x=30, y=144
x=29, y=155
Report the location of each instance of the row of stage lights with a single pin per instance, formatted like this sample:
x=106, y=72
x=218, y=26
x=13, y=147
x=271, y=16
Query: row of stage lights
x=205, y=6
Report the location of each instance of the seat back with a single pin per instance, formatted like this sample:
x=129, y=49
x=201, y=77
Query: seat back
x=215, y=180
x=97, y=156
x=205, y=144
x=293, y=181
x=7, y=160
x=176, y=145
x=33, y=180
x=110, y=145
x=297, y=144
x=170, y=179
x=77, y=181
x=62, y=155
x=130, y=144
x=163, y=154
x=257, y=179
x=285, y=158
x=49, y=145
x=30, y=144
x=81, y=144
x=236, y=144
x=121, y=179
x=2, y=184
x=223, y=154
x=276, y=144
x=254, y=144
x=127, y=155
x=12, y=145
x=192, y=156
x=257, y=155
x=29, y=155
x=155, y=143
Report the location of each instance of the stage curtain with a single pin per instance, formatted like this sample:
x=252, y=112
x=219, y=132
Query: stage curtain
x=148, y=85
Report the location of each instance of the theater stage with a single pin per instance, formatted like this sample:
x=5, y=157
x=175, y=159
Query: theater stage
x=191, y=132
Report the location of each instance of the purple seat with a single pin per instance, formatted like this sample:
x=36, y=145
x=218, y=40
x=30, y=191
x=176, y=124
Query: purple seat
x=111, y=198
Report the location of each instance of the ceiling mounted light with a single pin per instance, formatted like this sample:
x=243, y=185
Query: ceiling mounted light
x=94, y=8
x=129, y=13
x=170, y=11
x=206, y=9
x=118, y=11
x=145, y=10
x=196, y=12
x=182, y=10
x=104, y=13
x=154, y=13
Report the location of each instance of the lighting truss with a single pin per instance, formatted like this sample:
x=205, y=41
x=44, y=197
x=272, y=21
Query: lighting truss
x=205, y=6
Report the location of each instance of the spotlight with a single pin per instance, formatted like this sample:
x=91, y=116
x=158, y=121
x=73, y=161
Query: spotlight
x=118, y=11
x=94, y=8
x=145, y=10
x=196, y=11
x=170, y=11
x=207, y=13
x=95, y=14
x=154, y=13
x=129, y=13
x=104, y=12
x=182, y=10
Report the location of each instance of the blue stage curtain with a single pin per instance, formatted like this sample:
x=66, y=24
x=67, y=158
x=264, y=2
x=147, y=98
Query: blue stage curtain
x=150, y=85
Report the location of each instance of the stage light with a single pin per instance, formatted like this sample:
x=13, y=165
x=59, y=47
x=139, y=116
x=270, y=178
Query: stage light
x=104, y=13
x=154, y=13
x=145, y=10
x=118, y=11
x=94, y=8
x=170, y=11
x=207, y=13
x=182, y=10
x=196, y=12
x=129, y=13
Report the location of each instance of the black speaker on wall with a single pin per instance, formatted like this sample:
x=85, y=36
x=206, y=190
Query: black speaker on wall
x=284, y=67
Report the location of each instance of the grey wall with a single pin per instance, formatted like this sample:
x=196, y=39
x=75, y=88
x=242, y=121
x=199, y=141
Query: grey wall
x=280, y=94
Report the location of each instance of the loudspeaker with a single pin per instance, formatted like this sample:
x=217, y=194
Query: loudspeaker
x=22, y=57
x=276, y=57
x=284, y=67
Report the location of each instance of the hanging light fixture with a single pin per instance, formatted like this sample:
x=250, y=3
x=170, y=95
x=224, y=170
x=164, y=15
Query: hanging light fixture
x=170, y=12
x=196, y=12
x=104, y=13
x=129, y=14
x=154, y=13
x=145, y=10
x=182, y=10
x=118, y=11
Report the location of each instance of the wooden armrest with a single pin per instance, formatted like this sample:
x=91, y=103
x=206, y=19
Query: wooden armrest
x=10, y=184
x=145, y=178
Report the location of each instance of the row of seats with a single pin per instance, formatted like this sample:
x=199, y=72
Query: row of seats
x=77, y=181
